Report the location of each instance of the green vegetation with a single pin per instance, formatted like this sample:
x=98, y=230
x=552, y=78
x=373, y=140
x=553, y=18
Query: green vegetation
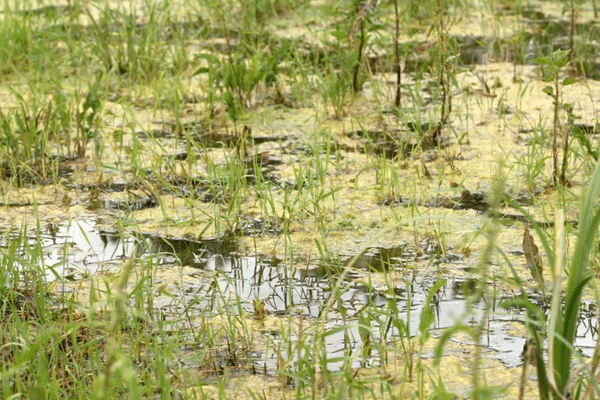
x=555, y=63
x=359, y=157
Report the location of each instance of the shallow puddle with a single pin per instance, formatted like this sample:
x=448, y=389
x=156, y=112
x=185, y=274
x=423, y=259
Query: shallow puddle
x=216, y=274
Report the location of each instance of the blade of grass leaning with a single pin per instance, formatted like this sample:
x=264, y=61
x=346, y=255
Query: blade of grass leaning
x=557, y=271
x=589, y=220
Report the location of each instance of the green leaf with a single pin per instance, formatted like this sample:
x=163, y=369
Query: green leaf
x=561, y=57
x=341, y=35
x=336, y=330
x=548, y=90
x=208, y=57
x=377, y=27
x=426, y=320
x=561, y=54
x=232, y=108
x=548, y=76
x=20, y=122
x=569, y=81
x=201, y=70
x=364, y=327
x=568, y=107
x=427, y=317
x=543, y=61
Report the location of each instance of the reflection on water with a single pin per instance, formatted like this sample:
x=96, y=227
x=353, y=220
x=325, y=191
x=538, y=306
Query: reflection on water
x=78, y=248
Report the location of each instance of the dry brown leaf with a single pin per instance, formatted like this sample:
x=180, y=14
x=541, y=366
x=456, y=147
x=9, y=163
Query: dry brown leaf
x=532, y=255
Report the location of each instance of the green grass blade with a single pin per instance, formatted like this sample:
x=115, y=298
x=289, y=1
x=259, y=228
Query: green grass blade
x=589, y=220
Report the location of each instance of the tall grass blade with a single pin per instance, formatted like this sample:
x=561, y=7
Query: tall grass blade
x=589, y=220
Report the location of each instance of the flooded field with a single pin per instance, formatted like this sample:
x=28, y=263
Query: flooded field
x=299, y=199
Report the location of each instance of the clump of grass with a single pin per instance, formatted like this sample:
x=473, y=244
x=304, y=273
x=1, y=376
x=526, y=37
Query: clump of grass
x=136, y=49
x=45, y=338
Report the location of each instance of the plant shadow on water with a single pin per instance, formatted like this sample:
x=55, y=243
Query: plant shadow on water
x=217, y=273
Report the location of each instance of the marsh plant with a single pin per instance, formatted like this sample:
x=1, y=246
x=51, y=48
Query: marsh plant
x=397, y=62
x=31, y=135
x=347, y=73
x=87, y=120
x=556, y=379
x=444, y=59
x=358, y=28
x=235, y=81
x=553, y=65
x=129, y=48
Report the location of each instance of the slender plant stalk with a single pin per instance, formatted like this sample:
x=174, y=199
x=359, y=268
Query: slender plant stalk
x=355, y=78
x=563, y=169
x=444, y=68
x=572, y=30
x=359, y=24
x=555, y=128
x=398, y=99
x=232, y=66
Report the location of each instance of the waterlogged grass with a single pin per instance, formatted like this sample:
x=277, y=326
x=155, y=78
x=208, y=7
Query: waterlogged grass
x=308, y=133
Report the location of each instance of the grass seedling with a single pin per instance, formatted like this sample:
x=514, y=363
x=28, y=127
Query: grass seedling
x=572, y=27
x=534, y=161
